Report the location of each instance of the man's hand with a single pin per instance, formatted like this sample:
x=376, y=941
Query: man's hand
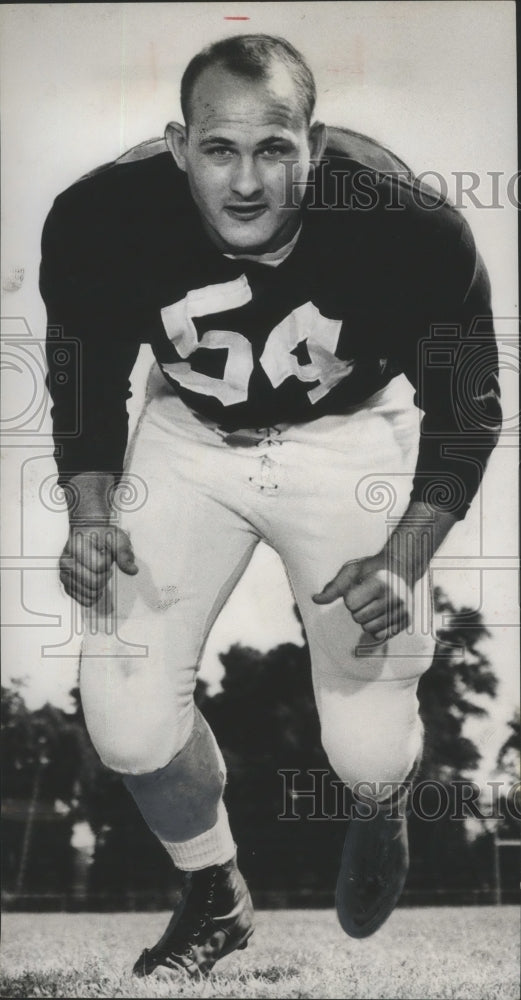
x=379, y=598
x=378, y=590
x=86, y=561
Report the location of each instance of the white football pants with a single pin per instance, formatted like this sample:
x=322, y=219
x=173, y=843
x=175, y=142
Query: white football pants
x=320, y=493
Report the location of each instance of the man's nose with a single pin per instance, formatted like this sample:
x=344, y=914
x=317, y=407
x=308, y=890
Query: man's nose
x=245, y=179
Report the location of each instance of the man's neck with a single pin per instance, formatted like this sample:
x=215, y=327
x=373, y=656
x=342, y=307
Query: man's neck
x=273, y=257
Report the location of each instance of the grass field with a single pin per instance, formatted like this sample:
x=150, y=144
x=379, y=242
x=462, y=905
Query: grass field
x=467, y=953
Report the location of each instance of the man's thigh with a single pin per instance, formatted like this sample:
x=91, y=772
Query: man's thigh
x=143, y=643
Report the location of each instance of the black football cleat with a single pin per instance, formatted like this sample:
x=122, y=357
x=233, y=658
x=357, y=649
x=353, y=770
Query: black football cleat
x=214, y=917
x=374, y=867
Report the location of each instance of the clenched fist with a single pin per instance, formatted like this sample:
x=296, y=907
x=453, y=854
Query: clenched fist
x=86, y=561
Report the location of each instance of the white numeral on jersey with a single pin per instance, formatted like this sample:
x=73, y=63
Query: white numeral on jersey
x=321, y=336
x=178, y=323
x=305, y=323
x=233, y=387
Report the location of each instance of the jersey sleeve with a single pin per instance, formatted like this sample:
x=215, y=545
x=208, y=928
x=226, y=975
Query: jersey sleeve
x=455, y=376
x=92, y=344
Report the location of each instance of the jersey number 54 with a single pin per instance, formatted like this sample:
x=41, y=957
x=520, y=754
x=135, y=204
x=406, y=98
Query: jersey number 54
x=305, y=323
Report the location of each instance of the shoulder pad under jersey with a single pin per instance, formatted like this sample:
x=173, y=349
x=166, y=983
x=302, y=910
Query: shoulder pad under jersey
x=363, y=149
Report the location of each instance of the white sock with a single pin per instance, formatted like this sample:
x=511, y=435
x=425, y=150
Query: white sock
x=213, y=847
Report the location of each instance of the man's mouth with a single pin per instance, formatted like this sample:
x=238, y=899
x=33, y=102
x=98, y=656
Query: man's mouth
x=246, y=212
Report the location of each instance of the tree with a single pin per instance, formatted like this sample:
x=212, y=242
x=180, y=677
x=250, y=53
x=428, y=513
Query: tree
x=460, y=670
x=508, y=755
x=508, y=764
x=39, y=767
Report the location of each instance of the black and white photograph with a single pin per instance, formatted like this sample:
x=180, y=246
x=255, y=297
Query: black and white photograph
x=259, y=428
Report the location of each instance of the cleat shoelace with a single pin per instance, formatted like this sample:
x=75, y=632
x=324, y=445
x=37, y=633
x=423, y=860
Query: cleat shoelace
x=184, y=947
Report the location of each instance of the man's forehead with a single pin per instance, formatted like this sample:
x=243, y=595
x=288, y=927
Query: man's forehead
x=221, y=99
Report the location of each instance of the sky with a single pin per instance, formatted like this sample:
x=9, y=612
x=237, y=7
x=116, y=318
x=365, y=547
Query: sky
x=82, y=83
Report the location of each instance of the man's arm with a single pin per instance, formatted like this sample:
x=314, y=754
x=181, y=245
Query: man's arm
x=92, y=341
x=460, y=428
x=91, y=350
x=455, y=375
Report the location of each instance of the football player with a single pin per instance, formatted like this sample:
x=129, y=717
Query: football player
x=305, y=299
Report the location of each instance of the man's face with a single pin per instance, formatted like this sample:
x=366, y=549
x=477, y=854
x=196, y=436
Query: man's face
x=239, y=134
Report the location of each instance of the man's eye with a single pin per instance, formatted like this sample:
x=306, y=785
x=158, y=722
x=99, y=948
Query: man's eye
x=272, y=152
x=220, y=153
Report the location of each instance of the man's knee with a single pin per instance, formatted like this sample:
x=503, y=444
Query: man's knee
x=134, y=728
x=382, y=759
x=136, y=743
x=136, y=753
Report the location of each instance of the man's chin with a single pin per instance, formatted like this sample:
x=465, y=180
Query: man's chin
x=246, y=237
x=247, y=242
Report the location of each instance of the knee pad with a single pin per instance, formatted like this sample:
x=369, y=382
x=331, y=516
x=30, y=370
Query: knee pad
x=136, y=753
x=379, y=761
x=180, y=801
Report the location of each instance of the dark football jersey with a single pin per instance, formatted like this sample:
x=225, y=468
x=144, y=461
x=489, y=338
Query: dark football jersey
x=383, y=279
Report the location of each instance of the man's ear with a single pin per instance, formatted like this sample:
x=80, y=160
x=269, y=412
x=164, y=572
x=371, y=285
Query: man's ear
x=176, y=139
x=317, y=140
